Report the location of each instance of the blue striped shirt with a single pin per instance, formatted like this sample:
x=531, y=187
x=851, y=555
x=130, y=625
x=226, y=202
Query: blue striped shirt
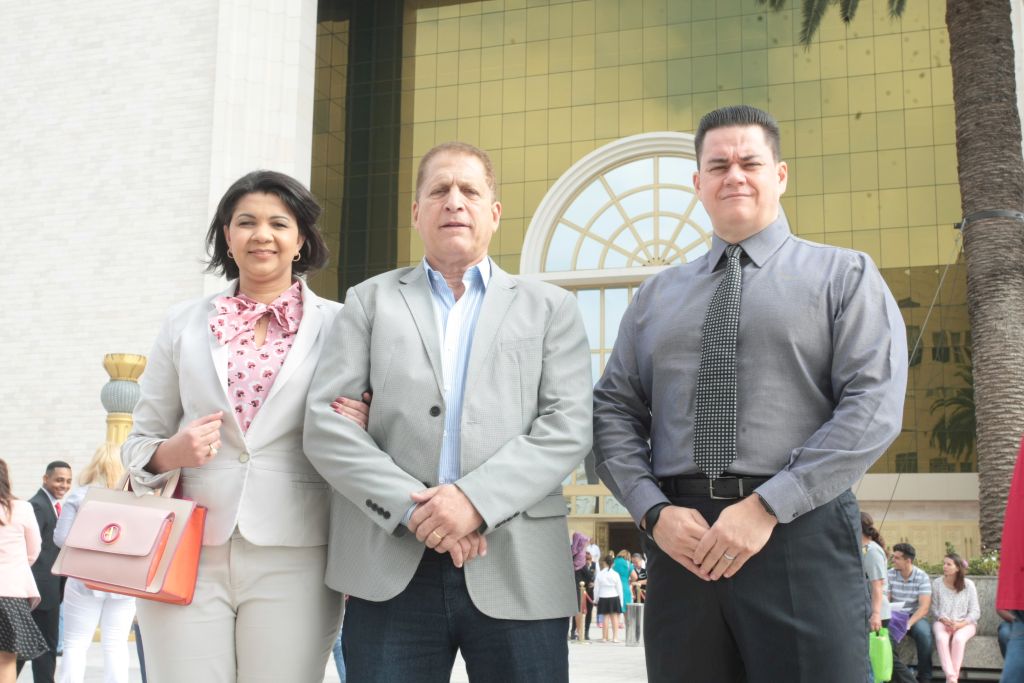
x=456, y=323
x=909, y=590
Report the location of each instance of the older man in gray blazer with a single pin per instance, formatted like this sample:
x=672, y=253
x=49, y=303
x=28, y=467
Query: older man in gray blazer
x=448, y=525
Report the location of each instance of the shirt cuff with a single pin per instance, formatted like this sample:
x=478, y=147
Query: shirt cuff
x=642, y=498
x=785, y=496
x=143, y=481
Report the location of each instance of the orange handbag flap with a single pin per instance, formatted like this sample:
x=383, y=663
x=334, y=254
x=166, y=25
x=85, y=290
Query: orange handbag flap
x=118, y=529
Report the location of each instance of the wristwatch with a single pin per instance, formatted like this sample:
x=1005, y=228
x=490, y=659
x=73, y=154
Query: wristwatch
x=766, y=506
x=651, y=518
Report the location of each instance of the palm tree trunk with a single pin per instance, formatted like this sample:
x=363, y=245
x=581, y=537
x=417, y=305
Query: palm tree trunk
x=991, y=169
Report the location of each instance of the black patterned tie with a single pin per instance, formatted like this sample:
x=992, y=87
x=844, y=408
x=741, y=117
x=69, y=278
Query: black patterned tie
x=714, y=419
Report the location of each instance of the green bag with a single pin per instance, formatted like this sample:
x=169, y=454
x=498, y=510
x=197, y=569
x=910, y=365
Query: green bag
x=880, y=650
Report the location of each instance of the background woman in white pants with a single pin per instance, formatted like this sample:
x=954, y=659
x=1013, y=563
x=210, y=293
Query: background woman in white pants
x=84, y=608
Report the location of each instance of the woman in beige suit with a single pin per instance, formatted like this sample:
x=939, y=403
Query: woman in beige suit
x=223, y=399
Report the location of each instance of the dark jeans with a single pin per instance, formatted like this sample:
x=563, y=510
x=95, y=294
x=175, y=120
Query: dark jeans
x=414, y=636
x=797, y=611
x=921, y=632
x=1013, y=667
x=1005, y=627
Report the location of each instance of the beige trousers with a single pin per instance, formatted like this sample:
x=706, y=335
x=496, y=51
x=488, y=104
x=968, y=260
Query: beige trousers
x=259, y=614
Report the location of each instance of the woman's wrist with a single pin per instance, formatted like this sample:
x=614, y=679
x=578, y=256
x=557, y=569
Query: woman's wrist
x=159, y=462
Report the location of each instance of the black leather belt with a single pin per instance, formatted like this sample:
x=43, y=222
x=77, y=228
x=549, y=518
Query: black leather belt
x=724, y=488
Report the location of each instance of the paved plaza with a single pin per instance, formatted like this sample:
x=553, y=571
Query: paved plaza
x=587, y=663
x=594, y=662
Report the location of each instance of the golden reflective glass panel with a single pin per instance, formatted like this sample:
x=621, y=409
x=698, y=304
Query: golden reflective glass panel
x=866, y=116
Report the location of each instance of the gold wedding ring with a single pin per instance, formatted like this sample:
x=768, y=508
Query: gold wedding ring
x=213, y=451
x=439, y=536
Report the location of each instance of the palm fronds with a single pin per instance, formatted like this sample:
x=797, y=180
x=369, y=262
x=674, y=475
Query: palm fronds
x=953, y=433
x=814, y=10
x=896, y=8
x=848, y=8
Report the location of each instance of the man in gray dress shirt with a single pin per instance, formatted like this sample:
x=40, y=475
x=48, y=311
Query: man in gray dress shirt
x=754, y=571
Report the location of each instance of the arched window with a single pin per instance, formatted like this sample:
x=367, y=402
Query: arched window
x=621, y=214
x=642, y=212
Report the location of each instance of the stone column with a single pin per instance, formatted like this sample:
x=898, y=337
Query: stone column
x=121, y=393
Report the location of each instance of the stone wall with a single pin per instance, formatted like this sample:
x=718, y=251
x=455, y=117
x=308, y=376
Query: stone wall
x=123, y=122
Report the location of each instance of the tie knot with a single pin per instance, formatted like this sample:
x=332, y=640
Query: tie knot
x=734, y=251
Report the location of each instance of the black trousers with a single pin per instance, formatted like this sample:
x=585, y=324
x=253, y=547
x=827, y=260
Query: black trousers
x=796, y=612
x=45, y=665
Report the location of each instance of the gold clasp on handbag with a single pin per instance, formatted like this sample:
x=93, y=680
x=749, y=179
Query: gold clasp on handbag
x=110, y=533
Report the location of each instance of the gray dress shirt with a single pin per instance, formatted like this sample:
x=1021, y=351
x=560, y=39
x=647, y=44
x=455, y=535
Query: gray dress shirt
x=821, y=374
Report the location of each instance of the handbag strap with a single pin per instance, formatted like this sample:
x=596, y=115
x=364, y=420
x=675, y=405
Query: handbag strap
x=166, y=490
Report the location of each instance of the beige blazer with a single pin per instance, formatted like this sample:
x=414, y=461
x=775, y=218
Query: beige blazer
x=19, y=548
x=260, y=482
x=525, y=426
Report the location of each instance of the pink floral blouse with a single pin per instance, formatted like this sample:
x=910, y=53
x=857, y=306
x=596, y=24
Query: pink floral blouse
x=252, y=369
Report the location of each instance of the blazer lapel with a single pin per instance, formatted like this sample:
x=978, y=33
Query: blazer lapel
x=501, y=290
x=305, y=340
x=47, y=504
x=219, y=353
x=416, y=292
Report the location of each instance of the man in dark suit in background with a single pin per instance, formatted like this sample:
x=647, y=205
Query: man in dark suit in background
x=46, y=504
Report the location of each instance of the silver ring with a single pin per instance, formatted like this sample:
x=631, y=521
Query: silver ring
x=728, y=556
x=213, y=451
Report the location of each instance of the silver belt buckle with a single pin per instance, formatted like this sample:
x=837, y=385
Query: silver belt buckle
x=711, y=489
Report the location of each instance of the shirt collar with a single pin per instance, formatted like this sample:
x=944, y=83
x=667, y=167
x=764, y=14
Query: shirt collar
x=759, y=247
x=483, y=269
x=53, y=501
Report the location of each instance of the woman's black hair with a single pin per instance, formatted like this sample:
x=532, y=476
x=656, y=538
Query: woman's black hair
x=313, y=254
x=867, y=527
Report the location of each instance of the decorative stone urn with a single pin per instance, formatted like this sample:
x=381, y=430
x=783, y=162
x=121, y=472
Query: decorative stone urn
x=121, y=393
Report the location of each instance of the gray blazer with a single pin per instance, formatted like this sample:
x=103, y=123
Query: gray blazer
x=526, y=424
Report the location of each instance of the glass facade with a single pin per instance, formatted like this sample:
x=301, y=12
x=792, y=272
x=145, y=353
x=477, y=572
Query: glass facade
x=330, y=99
x=867, y=122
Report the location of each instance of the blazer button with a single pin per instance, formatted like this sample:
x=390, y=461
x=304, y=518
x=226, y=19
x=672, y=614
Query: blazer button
x=244, y=457
x=369, y=503
x=387, y=515
x=435, y=411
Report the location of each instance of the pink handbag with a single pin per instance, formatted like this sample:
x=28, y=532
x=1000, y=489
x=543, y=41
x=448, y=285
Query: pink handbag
x=145, y=546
